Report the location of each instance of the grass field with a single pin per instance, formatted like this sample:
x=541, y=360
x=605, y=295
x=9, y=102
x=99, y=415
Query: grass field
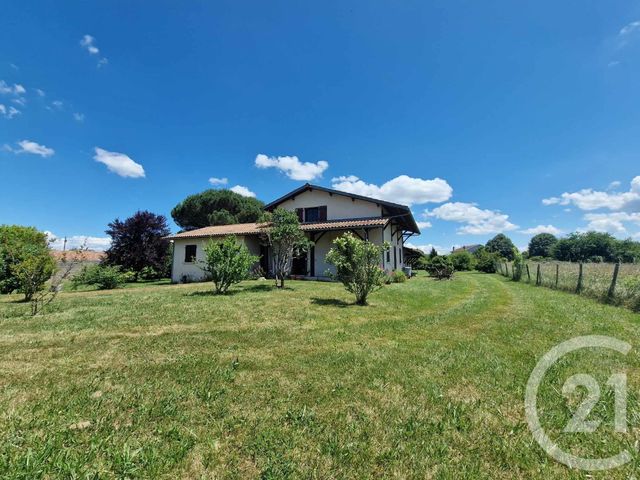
x=427, y=382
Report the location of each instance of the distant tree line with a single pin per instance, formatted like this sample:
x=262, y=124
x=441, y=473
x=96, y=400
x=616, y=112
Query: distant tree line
x=576, y=247
x=584, y=247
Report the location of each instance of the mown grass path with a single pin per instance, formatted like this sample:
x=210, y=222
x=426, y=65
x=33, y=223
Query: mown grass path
x=169, y=381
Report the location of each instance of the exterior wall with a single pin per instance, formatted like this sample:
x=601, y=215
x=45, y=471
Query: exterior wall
x=193, y=273
x=376, y=236
x=338, y=206
x=395, y=242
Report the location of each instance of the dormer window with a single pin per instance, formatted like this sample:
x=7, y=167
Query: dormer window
x=312, y=214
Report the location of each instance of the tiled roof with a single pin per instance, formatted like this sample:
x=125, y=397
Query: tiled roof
x=257, y=228
x=344, y=224
x=222, y=230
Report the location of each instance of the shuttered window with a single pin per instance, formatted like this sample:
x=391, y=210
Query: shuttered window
x=190, y=253
x=313, y=214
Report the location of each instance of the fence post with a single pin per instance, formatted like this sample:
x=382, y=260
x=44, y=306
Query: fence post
x=557, y=274
x=538, y=277
x=612, y=289
x=528, y=274
x=579, y=286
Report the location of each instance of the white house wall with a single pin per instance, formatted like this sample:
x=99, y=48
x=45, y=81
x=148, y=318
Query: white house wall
x=191, y=270
x=338, y=206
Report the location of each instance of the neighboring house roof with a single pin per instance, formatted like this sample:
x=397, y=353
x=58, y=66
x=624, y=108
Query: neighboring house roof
x=87, y=255
x=467, y=248
x=258, y=228
x=402, y=212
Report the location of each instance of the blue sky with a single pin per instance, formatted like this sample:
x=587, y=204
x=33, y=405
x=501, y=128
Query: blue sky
x=472, y=112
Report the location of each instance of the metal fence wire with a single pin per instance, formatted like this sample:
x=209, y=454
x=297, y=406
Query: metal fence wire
x=618, y=284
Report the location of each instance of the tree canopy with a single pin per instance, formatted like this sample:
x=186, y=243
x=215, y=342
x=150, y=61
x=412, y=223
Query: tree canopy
x=502, y=245
x=17, y=244
x=541, y=245
x=138, y=243
x=216, y=207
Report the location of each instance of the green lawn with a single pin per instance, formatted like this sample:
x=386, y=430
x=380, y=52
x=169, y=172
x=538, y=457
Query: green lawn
x=426, y=382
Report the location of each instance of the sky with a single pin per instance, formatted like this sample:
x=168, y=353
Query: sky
x=484, y=117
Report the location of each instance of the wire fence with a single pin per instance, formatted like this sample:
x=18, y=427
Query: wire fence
x=618, y=284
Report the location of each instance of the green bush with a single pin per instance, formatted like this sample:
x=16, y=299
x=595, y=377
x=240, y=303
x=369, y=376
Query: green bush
x=357, y=265
x=518, y=266
x=486, y=261
x=397, y=276
x=103, y=277
x=462, y=261
x=440, y=268
x=227, y=262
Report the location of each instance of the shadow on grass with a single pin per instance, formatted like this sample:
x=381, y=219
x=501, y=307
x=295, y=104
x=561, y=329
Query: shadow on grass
x=331, y=302
x=237, y=291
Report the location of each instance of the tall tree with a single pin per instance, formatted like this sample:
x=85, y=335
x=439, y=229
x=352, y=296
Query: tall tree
x=216, y=207
x=502, y=245
x=286, y=239
x=17, y=244
x=139, y=242
x=541, y=245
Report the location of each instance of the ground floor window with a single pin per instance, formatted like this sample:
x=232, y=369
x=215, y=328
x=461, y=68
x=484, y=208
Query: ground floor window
x=190, y=253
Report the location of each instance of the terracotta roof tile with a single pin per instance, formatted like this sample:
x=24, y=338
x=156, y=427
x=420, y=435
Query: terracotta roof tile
x=257, y=228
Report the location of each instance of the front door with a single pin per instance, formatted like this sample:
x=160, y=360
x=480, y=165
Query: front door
x=299, y=265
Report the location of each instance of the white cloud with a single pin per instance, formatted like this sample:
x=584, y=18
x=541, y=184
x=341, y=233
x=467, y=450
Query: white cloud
x=427, y=248
x=6, y=89
x=77, y=241
x=613, y=63
x=422, y=225
x=88, y=43
x=19, y=101
x=8, y=112
x=27, y=146
x=613, y=185
x=629, y=28
x=40, y=92
x=476, y=220
x=244, y=191
x=57, y=104
x=542, y=229
x=589, y=199
x=292, y=167
x=403, y=189
x=611, y=222
x=119, y=163
x=218, y=181
x=79, y=117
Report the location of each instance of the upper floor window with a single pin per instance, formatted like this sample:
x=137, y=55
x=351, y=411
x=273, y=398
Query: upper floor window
x=312, y=214
x=190, y=253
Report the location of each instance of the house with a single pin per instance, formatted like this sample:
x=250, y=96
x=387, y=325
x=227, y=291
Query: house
x=467, y=248
x=324, y=215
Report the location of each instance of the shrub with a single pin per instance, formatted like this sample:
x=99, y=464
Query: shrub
x=397, y=276
x=227, y=263
x=441, y=268
x=486, y=262
x=462, y=261
x=357, y=265
x=422, y=263
x=103, y=277
x=32, y=273
x=541, y=245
